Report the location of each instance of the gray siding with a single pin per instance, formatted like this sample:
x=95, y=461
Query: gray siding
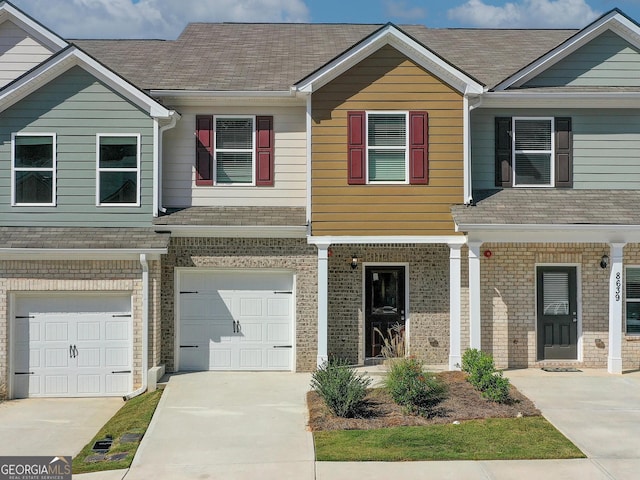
x=606, y=146
x=607, y=61
x=76, y=107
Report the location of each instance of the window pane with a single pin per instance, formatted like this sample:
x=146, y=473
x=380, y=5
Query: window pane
x=555, y=287
x=234, y=167
x=387, y=165
x=387, y=130
x=533, y=134
x=34, y=187
x=34, y=152
x=384, y=298
x=633, y=283
x=533, y=169
x=633, y=317
x=118, y=152
x=118, y=187
x=234, y=133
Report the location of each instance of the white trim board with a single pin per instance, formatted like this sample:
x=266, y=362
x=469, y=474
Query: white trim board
x=400, y=239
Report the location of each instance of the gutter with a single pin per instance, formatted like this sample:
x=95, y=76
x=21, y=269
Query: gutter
x=145, y=329
x=220, y=93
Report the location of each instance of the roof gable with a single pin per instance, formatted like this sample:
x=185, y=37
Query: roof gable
x=407, y=45
x=606, y=61
x=65, y=60
x=615, y=21
x=32, y=27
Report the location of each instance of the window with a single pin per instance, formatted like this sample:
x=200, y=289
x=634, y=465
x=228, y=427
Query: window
x=533, y=152
x=388, y=147
x=234, y=150
x=632, y=290
x=118, y=179
x=34, y=169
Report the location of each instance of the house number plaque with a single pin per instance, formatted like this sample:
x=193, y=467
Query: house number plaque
x=618, y=286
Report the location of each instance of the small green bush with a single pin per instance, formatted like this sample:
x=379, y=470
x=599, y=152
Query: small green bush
x=341, y=388
x=412, y=388
x=484, y=376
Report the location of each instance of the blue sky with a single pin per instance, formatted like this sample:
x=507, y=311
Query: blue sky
x=167, y=18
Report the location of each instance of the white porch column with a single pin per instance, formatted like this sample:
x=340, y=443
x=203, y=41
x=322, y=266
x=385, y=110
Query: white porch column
x=455, y=297
x=323, y=301
x=475, y=334
x=614, y=361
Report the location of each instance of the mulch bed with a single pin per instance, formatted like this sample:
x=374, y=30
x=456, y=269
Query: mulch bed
x=463, y=402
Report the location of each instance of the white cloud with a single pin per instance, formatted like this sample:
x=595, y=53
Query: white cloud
x=153, y=18
x=400, y=9
x=525, y=14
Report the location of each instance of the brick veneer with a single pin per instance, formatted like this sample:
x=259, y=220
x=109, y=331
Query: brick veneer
x=86, y=276
x=238, y=253
x=428, y=299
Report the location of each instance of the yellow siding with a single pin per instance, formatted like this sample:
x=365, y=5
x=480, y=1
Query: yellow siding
x=387, y=80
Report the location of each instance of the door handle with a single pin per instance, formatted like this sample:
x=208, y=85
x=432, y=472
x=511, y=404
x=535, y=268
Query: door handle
x=234, y=326
x=70, y=351
x=238, y=328
x=75, y=351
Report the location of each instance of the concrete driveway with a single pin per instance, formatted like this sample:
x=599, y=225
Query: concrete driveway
x=52, y=426
x=222, y=425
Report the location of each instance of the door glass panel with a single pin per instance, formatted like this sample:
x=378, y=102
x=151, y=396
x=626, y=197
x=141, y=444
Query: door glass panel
x=384, y=298
x=555, y=287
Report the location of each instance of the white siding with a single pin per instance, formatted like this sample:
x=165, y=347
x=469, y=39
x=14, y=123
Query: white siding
x=18, y=52
x=179, y=189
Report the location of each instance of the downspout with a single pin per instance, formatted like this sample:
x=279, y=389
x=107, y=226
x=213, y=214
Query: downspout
x=145, y=329
x=468, y=184
x=175, y=116
x=309, y=127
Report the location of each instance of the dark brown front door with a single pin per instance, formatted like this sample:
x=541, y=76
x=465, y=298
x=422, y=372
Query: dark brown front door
x=557, y=313
x=384, y=305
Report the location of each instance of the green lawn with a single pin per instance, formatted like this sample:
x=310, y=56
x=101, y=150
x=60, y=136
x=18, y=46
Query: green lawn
x=133, y=417
x=491, y=439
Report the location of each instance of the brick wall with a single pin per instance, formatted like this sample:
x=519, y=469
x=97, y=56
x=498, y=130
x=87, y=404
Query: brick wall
x=238, y=253
x=428, y=299
x=18, y=276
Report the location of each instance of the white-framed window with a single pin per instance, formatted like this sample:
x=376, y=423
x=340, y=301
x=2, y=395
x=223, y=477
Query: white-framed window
x=533, y=152
x=33, y=165
x=387, y=147
x=632, y=304
x=234, y=149
x=118, y=169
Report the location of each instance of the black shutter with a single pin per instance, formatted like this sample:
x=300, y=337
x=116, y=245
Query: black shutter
x=504, y=155
x=564, y=153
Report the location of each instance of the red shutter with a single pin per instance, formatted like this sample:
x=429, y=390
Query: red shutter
x=265, y=152
x=204, y=150
x=357, y=148
x=418, y=148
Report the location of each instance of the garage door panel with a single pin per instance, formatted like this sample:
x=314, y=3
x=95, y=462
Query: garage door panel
x=250, y=307
x=56, y=357
x=56, y=385
x=279, y=307
x=116, y=330
x=278, y=358
x=89, y=384
x=220, y=359
x=278, y=333
x=251, y=332
x=251, y=358
x=117, y=357
x=116, y=383
x=56, y=331
x=87, y=331
x=88, y=357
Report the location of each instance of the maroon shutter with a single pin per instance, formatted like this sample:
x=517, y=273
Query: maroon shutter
x=564, y=153
x=418, y=148
x=357, y=148
x=265, y=152
x=204, y=150
x=503, y=152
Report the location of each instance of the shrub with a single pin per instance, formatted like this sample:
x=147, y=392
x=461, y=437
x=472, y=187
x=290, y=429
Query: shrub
x=482, y=374
x=393, y=345
x=412, y=388
x=341, y=388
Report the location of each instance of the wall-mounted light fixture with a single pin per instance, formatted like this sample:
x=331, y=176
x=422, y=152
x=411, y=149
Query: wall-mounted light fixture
x=354, y=262
x=604, y=261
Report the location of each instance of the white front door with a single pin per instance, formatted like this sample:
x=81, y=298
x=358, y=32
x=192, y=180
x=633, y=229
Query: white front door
x=70, y=345
x=236, y=321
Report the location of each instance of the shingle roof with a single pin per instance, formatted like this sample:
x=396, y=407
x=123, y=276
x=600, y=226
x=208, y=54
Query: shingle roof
x=542, y=206
x=235, y=216
x=273, y=57
x=82, y=238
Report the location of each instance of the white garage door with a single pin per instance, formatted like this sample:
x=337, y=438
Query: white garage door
x=72, y=346
x=236, y=321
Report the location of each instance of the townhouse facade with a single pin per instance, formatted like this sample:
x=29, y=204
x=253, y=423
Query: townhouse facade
x=206, y=203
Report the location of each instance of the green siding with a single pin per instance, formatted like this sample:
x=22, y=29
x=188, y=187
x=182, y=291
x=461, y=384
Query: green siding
x=76, y=107
x=606, y=61
x=606, y=146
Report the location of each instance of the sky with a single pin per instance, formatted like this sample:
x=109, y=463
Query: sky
x=165, y=19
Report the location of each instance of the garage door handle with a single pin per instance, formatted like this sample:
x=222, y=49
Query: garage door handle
x=122, y=371
x=188, y=346
x=23, y=373
x=283, y=346
x=283, y=293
